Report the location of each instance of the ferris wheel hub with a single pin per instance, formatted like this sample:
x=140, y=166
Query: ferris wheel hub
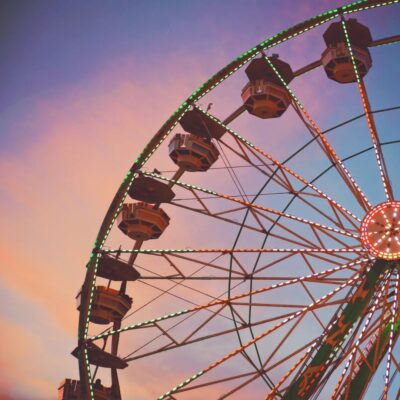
x=380, y=230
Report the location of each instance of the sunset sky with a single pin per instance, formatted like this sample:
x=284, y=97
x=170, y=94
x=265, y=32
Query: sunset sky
x=84, y=86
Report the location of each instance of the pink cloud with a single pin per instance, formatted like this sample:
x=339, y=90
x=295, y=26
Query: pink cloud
x=58, y=188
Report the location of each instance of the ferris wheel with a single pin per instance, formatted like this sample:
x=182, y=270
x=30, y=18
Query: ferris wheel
x=227, y=267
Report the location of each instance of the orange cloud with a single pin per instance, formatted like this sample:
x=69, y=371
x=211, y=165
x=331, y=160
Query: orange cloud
x=57, y=190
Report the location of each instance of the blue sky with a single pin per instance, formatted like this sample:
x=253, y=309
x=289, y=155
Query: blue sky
x=84, y=86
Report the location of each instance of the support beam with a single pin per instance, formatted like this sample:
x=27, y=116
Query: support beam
x=307, y=383
x=359, y=384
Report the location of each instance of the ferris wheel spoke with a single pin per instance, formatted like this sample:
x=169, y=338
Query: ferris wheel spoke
x=186, y=300
x=223, y=380
x=337, y=215
x=193, y=257
x=222, y=216
x=320, y=302
x=323, y=142
x=180, y=343
x=340, y=258
x=285, y=338
x=237, y=250
x=272, y=171
x=257, y=209
x=245, y=206
x=266, y=168
x=260, y=214
x=277, y=364
x=280, y=165
x=288, y=235
x=306, y=355
x=302, y=195
x=285, y=183
x=311, y=277
x=370, y=120
x=275, y=389
x=178, y=281
x=185, y=342
x=309, y=347
x=175, y=343
x=313, y=299
x=238, y=271
x=255, y=375
x=332, y=156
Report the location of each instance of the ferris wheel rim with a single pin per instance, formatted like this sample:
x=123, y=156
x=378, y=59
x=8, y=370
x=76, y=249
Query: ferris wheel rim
x=159, y=137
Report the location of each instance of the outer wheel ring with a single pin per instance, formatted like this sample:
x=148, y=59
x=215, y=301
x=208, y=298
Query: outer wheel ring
x=156, y=141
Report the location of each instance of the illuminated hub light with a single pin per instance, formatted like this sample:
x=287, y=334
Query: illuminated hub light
x=380, y=231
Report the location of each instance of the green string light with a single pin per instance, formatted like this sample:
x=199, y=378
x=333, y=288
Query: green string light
x=141, y=324
x=350, y=50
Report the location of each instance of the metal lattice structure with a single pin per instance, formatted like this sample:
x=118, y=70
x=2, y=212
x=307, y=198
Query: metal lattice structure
x=294, y=291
